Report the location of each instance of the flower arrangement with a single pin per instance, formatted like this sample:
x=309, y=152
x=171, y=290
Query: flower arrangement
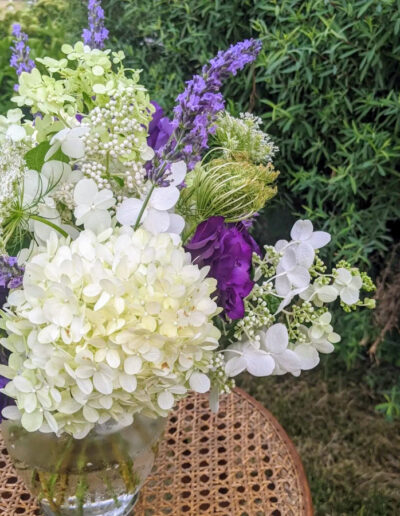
x=128, y=272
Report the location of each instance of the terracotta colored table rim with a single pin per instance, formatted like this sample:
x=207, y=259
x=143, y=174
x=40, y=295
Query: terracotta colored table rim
x=238, y=462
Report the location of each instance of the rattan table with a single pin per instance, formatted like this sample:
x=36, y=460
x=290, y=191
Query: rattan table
x=238, y=462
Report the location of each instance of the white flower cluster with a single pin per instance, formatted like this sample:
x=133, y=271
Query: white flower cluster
x=107, y=326
x=12, y=170
x=116, y=142
x=268, y=346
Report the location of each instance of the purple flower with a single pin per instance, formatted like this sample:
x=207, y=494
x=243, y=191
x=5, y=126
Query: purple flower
x=228, y=250
x=198, y=106
x=160, y=128
x=96, y=34
x=11, y=275
x=20, y=59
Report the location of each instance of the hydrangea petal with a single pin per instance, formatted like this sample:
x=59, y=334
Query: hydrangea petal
x=165, y=400
x=199, y=382
x=301, y=230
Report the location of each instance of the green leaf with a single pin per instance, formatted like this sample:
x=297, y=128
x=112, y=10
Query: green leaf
x=35, y=157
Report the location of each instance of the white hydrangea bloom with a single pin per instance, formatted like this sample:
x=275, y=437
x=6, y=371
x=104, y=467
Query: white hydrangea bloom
x=69, y=141
x=10, y=126
x=107, y=326
x=157, y=217
x=348, y=286
x=92, y=205
x=267, y=354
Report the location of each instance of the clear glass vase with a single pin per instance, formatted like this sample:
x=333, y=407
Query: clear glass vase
x=99, y=475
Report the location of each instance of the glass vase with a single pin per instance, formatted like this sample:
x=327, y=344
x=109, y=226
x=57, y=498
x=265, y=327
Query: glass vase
x=99, y=475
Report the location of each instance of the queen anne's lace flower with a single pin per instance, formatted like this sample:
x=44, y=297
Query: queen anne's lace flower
x=107, y=326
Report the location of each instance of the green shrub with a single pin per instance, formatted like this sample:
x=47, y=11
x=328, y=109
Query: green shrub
x=326, y=86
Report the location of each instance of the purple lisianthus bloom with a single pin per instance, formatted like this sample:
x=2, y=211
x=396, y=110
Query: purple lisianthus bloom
x=160, y=128
x=227, y=249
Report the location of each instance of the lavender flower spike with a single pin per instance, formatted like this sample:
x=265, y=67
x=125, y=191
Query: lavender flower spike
x=199, y=105
x=96, y=34
x=20, y=59
x=11, y=275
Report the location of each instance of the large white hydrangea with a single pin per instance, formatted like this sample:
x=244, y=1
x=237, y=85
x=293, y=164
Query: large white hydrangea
x=106, y=326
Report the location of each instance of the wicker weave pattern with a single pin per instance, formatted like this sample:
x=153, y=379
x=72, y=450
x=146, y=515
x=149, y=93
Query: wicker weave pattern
x=238, y=462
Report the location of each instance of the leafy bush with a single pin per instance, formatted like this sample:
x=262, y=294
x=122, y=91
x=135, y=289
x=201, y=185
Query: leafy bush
x=326, y=86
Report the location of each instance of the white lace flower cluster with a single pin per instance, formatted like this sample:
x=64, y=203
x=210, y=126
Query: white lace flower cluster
x=107, y=326
x=277, y=339
x=115, y=143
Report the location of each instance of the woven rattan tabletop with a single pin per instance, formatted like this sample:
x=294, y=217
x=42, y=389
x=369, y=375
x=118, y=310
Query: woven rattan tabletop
x=238, y=462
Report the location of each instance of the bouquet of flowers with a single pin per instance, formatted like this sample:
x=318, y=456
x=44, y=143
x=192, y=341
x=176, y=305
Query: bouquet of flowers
x=128, y=274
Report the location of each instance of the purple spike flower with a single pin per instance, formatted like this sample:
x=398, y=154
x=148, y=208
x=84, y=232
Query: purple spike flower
x=198, y=106
x=20, y=59
x=11, y=276
x=96, y=34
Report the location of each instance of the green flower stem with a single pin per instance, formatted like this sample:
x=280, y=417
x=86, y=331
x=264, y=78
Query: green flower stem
x=145, y=203
x=49, y=223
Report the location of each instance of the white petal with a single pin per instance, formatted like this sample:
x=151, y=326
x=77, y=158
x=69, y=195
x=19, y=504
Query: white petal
x=16, y=133
x=305, y=254
x=102, y=383
x=178, y=173
x=288, y=360
x=164, y=198
x=32, y=422
x=74, y=148
x=276, y=338
x=356, y=282
x=128, y=382
x=280, y=245
x=97, y=221
x=235, y=365
x=302, y=230
x=288, y=260
x=323, y=346
x=113, y=358
x=259, y=364
x=85, y=191
x=349, y=295
x=165, y=400
x=22, y=384
x=156, y=221
x=343, y=276
x=199, y=382
x=128, y=211
x=319, y=239
x=51, y=421
x=12, y=412
x=90, y=414
x=327, y=293
x=300, y=277
x=56, y=171
x=132, y=365
x=282, y=285
x=104, y=199
x=176, y=223
x=308, y=356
